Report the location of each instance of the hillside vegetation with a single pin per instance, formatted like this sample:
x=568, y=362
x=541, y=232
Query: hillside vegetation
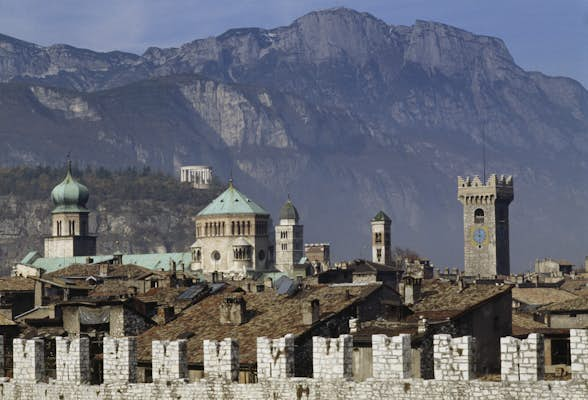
x=131, y=210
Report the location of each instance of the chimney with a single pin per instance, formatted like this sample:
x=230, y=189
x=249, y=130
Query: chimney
x=165, y=314
x=310, y=312
x=103, y=270
x=461, y=285
x=233, y=310
x=410, y=290
x=353, y=325
x=117, y=259
x=423, y=324
x=132, y=291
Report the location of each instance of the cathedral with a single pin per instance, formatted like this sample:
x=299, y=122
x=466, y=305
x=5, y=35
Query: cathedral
x=234, y=235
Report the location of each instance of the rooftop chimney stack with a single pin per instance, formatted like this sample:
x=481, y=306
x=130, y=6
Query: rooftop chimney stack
x=103, y=270
x=410, y=289
x=233, y=310
x=310, y=312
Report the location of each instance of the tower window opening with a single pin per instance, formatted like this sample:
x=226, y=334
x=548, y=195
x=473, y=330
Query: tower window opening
x=479, y=216
x=378, y=237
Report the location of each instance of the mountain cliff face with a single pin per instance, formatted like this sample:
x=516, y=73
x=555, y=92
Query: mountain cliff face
x=347, y=113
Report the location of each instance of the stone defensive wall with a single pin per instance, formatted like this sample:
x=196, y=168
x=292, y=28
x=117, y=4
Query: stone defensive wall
x=454, y=370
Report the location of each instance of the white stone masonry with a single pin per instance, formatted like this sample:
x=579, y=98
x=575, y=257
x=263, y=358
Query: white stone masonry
x=120, y=359
x=332, y=358
x=275, y=357
x=579, y=353
x=72, y=363
x=169, y=360
x=522, y=360
x=453, y=358
x=221, y=359
x=28, y=360
x=392, y=358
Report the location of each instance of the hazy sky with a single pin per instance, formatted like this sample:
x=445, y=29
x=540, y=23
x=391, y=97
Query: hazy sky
x=546, y=35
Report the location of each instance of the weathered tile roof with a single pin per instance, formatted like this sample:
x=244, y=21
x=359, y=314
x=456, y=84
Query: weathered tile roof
x=576, y=286
x=269, y=315
x=16, y=285
x=541, y=295
x=442, y=300
x=126, y=271
x=580, y=303
x=524, y=324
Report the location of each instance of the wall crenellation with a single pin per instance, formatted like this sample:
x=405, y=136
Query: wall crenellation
x=169, y=360
x=275, y=357
x=522, y=371
x=392, y=356
x=522, y=360
x=332, y=358
x=72, y=363
x=454, y=358
x=221, y=359
x=120, y=359
x=579, y=353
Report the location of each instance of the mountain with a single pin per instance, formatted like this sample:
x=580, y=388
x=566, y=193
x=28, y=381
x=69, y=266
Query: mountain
x=343, y=111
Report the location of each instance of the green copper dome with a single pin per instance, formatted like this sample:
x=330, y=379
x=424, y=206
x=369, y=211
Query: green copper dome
x=232, y=201
x=288, y=211
x=70, y=195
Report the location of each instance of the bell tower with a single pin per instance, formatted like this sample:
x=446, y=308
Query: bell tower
x=486, y=224
x=289, y=238
x=69, y=221
x=381, y=241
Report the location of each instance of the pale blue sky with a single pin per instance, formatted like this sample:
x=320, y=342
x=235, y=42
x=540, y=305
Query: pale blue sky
x=546, y=35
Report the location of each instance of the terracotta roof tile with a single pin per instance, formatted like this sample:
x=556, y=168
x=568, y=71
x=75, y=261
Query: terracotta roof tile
x=269, y=315
x=577, y=304
x=443, y=300
x=541, y=295
x=16, y=285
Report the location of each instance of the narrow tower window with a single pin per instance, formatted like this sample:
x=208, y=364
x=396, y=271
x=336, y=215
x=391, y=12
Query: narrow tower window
x=479, y=216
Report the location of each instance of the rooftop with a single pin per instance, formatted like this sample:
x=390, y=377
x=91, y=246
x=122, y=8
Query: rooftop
x=541, y=295
x=153, y=261
x=268, y=315
x=232, y=201
x=442, y=300
x=16, y=285
x=577, y=304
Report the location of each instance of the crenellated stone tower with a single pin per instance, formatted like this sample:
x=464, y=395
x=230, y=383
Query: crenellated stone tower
x=289, y=238
x=485, y=223
x=70, y=235
x=381, y=241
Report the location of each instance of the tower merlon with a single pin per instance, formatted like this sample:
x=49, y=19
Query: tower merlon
x=497, y=187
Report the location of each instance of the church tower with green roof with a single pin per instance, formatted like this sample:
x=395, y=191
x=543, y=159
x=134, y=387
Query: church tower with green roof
x=69, y=221
x=381, y=241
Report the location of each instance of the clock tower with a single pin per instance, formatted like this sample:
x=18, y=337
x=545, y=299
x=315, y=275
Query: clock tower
x=485, y=223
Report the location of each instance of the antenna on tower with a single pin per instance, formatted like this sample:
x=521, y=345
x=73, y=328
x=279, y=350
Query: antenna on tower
x=484, y=155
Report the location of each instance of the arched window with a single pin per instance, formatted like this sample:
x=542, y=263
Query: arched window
x=198, y=255
x=249, y=227
x=479, y=216
x=233, y=228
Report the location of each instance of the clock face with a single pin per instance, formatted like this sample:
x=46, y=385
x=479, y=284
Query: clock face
x=479, y=236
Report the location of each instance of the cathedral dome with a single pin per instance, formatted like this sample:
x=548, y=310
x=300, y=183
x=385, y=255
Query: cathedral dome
x=70, y=195
x=288, y=211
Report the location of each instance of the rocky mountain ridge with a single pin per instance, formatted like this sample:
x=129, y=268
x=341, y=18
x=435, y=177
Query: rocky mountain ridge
x=347, y=113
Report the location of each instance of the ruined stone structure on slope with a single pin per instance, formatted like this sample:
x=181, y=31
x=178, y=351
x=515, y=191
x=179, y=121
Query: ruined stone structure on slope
x=332, y=364
x=485, y=224
x=200, y=176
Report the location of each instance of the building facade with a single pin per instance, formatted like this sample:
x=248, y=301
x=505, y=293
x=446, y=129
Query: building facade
x=486, y=224
x=200, y=176
x=381, y=241
x=289, y=238
x=70, y=235
x=232, y=235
